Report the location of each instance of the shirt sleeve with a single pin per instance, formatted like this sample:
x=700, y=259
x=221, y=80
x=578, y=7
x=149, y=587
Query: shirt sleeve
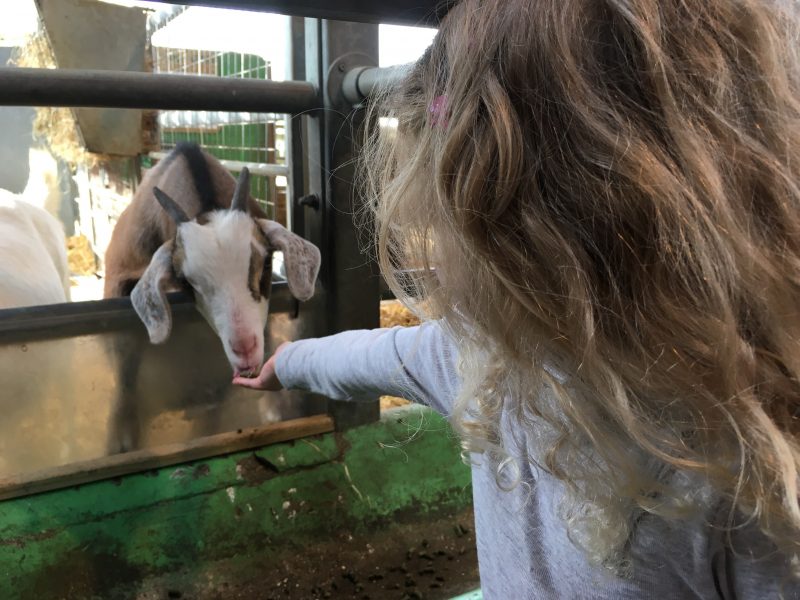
x=415, y=363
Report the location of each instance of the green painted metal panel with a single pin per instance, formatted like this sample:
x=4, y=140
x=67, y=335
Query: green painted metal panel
x=243, y=142
x=106, y=535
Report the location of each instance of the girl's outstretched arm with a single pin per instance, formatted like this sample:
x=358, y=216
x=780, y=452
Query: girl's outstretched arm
x=416, y=363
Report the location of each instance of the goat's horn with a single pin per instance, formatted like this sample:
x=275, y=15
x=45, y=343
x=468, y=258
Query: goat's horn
x=170, y=207
x=242, y=192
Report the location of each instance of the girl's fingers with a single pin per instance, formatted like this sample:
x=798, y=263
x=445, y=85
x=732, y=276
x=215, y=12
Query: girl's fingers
x=266, y=379
x=248, y=383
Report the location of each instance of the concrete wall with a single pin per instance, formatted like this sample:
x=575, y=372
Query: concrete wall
x=16, y=125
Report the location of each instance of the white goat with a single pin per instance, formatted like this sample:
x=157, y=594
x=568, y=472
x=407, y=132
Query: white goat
x=34, y=271
x=191, y=223
x=33, y=255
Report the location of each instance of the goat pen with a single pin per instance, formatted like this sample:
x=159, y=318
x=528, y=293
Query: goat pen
x=331, y=500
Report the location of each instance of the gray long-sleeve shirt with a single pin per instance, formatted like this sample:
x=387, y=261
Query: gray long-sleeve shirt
x=523, y=547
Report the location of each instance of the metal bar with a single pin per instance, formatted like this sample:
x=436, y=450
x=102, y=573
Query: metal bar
x=120, y=89
x=362, y=82
x=351, y=278
x=265, y=169
x=426, y=13
x=295, y=154
x=114, y=314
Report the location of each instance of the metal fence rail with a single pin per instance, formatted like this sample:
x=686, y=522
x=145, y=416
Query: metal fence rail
x=120, y=89
x=362, y=82
x=405, y=12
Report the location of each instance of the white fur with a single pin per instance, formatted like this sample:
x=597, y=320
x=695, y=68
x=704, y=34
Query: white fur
x=33, y=255
x=42, y=189
x=216, y=264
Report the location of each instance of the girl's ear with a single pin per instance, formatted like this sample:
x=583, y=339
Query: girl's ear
x=302, y=258
x=149, y=296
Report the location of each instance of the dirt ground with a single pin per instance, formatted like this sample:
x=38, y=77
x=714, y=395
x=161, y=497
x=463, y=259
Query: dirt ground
x=431, y=560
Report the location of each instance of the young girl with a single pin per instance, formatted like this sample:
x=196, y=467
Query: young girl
x=595, y=204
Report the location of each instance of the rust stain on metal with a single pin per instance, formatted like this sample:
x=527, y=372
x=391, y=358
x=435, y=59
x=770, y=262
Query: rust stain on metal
x=200, y=471
x=255, y=470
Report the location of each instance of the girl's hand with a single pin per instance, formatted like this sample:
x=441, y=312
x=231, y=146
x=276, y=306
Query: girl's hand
x=267, y=379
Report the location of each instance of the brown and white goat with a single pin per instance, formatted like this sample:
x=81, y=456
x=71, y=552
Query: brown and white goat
x=191, y=223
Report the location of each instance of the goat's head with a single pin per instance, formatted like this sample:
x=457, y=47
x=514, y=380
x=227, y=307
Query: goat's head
x=226, y=257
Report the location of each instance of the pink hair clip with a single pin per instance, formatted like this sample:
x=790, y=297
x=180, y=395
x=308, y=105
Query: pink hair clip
x=438, y=111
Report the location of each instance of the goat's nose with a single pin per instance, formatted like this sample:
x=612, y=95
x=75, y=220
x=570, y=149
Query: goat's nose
x=244, y=346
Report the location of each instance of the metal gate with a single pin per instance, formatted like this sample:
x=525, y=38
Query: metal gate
x=60, y=383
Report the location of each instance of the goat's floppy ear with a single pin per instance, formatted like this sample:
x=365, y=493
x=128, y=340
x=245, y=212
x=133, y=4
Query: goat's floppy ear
x=149, y=296
x=300, y=257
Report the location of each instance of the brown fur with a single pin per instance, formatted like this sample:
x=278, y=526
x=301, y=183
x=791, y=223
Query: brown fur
x=144, y=226
x=265, y=281
x=254, y=274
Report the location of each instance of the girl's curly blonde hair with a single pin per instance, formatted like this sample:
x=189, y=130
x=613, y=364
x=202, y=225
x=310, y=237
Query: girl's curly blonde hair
x=608, y=189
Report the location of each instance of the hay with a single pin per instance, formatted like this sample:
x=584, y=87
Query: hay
x=392, y=314
x=56, y=125
x=388, y=402
x=80, y=256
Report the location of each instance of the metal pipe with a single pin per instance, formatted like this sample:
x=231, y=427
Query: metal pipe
x=70, y=319
x=121, y=89
x=400, y=12
x=361, y=82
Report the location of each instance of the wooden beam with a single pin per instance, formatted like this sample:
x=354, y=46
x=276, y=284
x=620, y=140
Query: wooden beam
x=152, y=458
